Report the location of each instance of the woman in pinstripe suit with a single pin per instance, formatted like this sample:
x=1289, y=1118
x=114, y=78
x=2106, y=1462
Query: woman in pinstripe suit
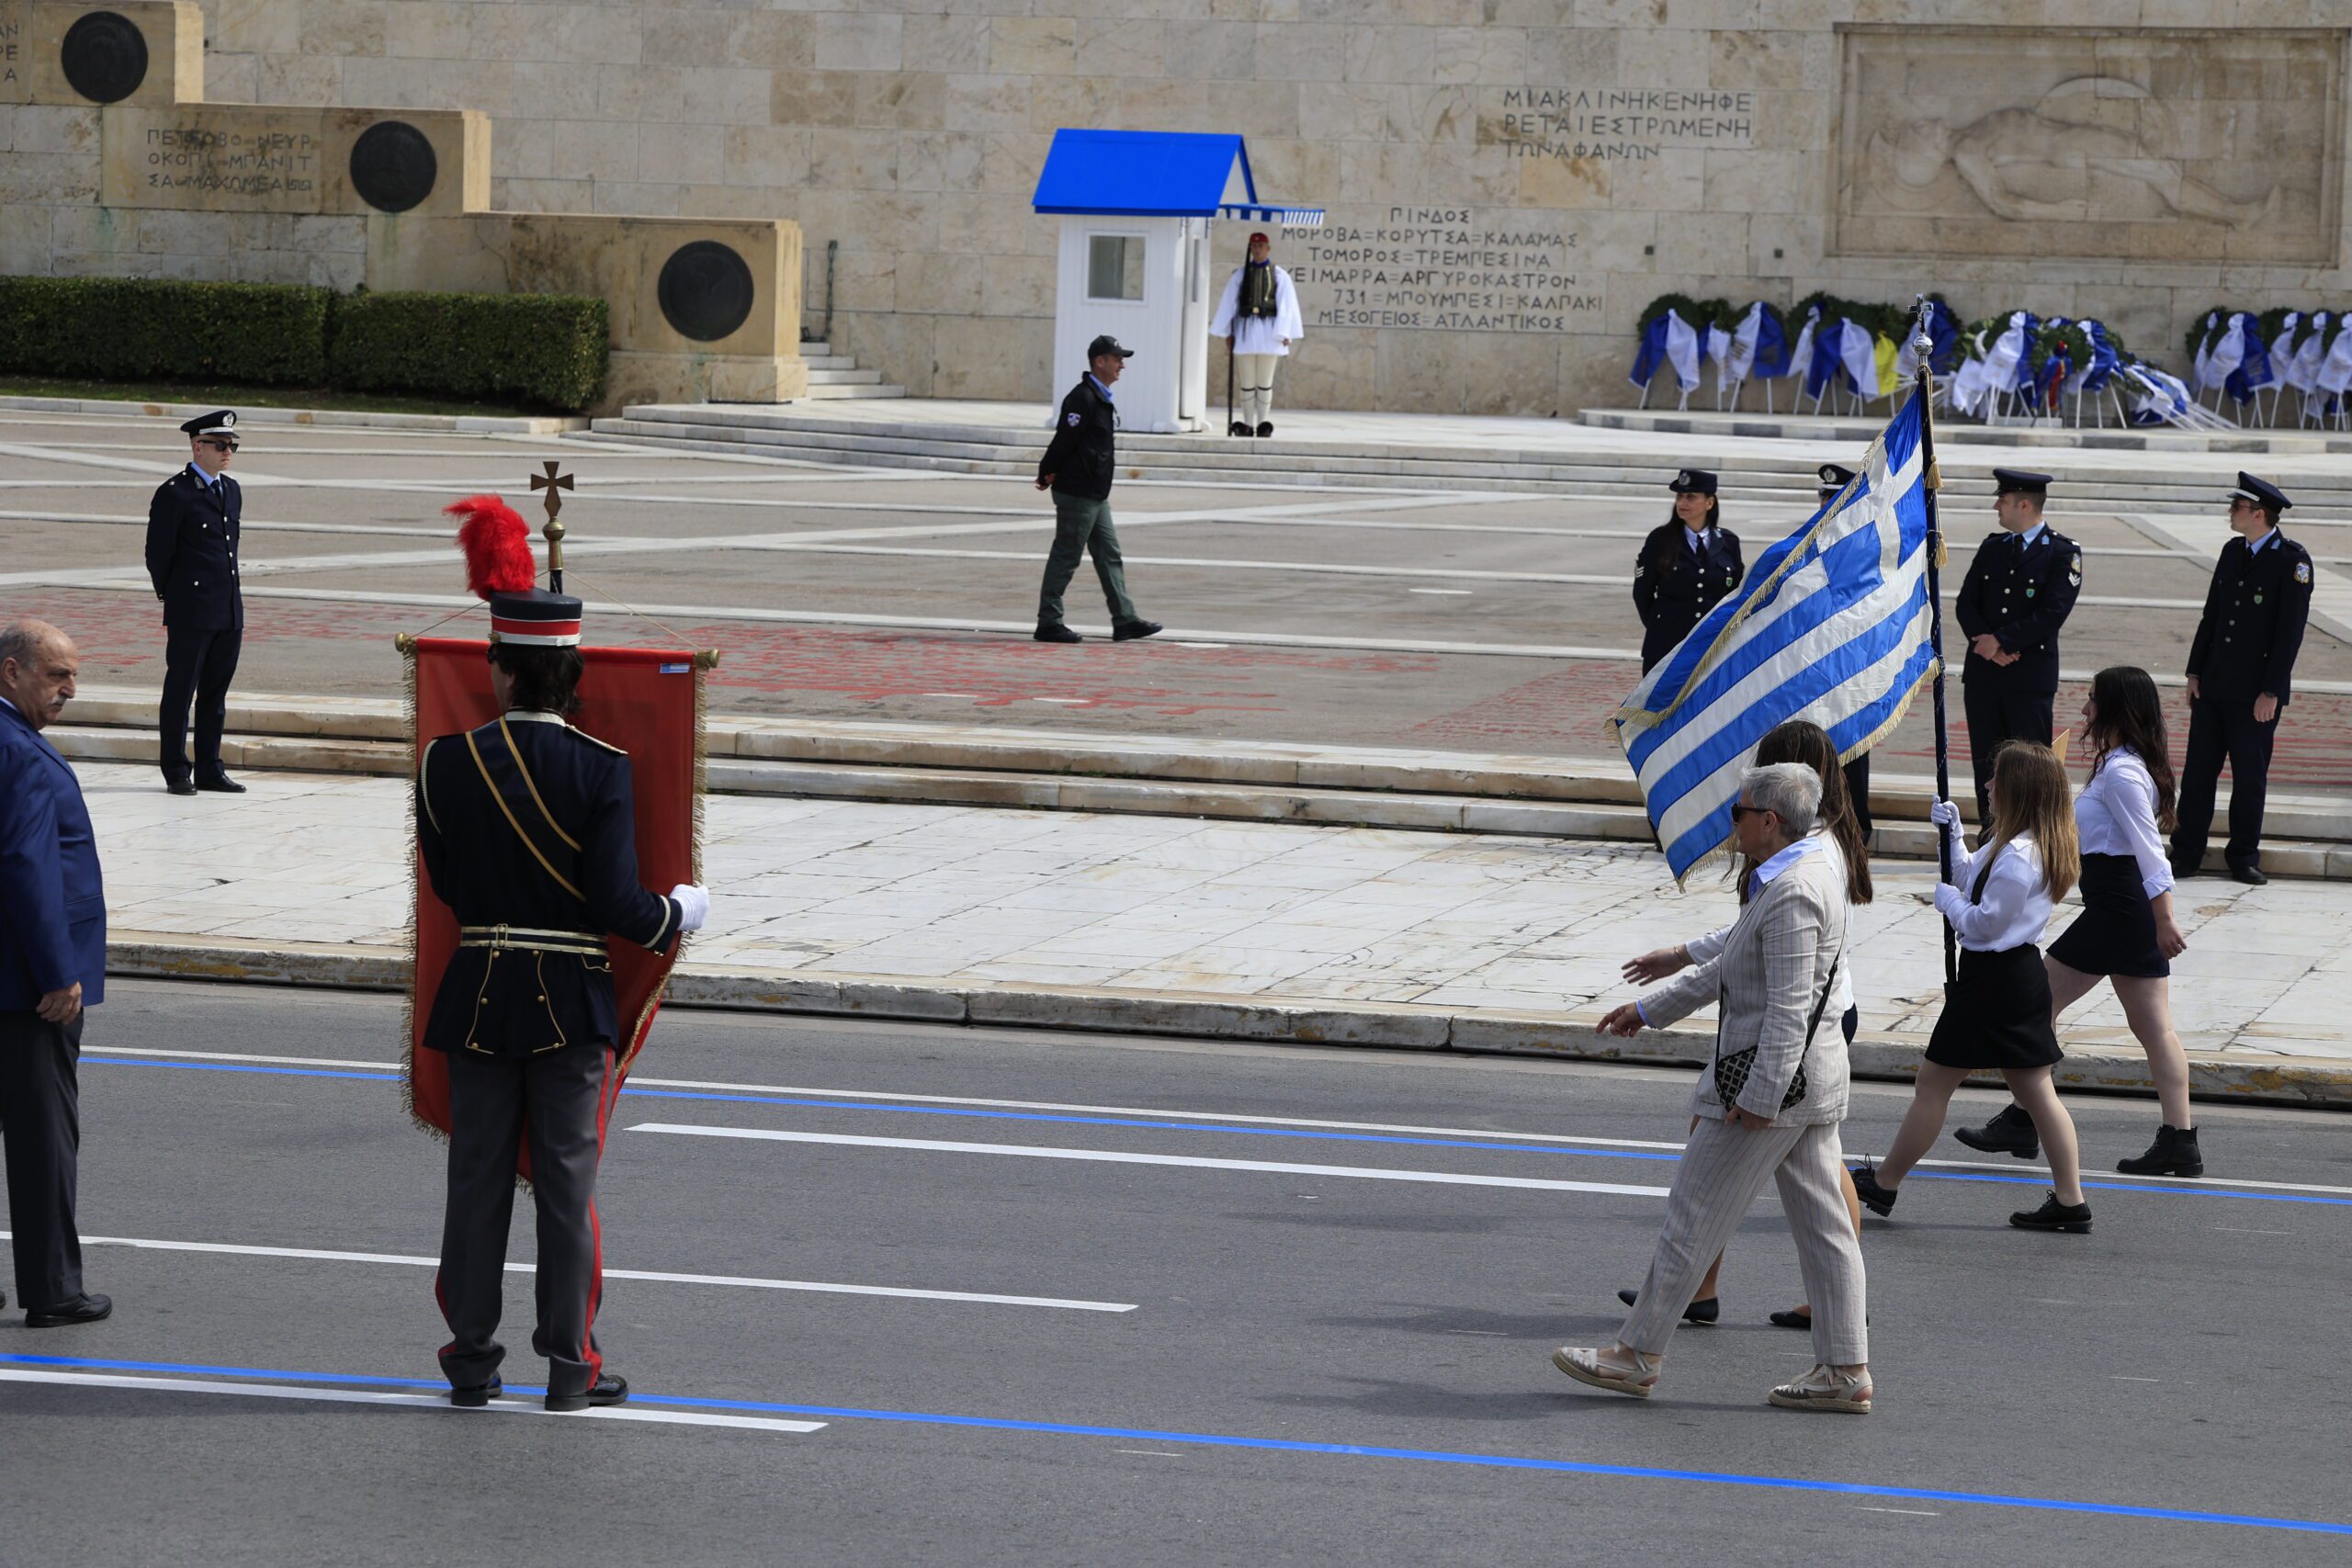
x=1768, y=1106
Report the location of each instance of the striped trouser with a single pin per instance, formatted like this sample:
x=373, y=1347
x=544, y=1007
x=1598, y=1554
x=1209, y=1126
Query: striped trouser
x=1721, y=1171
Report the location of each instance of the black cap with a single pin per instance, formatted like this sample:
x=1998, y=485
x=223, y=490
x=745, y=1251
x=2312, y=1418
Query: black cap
x=1835, y=478
x=1104, y=345
x=220, y=422
x=1692, y=481
x=2017, y=481
x=2261, y=492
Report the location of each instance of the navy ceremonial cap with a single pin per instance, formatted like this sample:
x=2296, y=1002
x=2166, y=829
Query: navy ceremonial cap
x=2017, y=481
x=1835, y=478
x=534, y=619
x=1692, y=481
x=220, y=422
x=1104, y=345
x=2262, y=492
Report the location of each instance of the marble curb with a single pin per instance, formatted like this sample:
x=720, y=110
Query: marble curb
x=2308, y=1082
x=461, y=424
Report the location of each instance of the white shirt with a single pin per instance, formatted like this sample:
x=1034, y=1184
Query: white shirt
x=1260, y=334
x=2116, y=815
x=2015, y=909
x=1842, y=985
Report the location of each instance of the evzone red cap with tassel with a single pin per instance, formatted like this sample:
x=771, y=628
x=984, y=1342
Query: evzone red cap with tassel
x=500, y=568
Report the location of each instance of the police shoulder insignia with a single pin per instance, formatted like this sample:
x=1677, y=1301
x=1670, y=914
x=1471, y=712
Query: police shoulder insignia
x=2303, y=572
x=1071, y=420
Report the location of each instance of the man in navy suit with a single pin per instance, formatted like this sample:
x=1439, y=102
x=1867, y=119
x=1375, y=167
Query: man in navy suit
x=192, y=560
x=52, y=965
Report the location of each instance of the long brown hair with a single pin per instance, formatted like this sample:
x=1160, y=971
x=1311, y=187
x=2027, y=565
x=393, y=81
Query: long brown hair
x=1799, y=741
x=1662, y=554
x=2030, y=796
x=2126, y=711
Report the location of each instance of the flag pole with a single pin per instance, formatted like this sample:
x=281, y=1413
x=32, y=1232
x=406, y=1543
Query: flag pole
x=1922, y=344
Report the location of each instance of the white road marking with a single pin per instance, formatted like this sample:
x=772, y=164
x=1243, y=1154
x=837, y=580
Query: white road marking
x=742, y=1281
x=1121, y=1157
x=1922, y=1512
x=382, y=1398
x=2119, y=1377
x=1488, y=1134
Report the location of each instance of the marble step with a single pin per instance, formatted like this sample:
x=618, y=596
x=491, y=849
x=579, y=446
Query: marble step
x=844, y=374
x=824, y=391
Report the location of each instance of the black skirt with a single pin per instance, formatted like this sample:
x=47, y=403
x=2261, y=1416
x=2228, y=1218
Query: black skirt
x=1996, y=1014
x=2116, y=932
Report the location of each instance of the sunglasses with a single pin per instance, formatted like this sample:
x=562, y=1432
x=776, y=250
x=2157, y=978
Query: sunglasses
x=1739, y=811
x=218, y=446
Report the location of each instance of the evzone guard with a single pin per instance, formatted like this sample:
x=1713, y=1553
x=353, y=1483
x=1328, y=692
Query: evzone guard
x=527, y=832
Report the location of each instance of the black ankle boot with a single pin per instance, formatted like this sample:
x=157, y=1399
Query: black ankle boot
x=2008, y=1133
x=2175, y=1153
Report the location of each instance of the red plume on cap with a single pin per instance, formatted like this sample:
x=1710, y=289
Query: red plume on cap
x=497, y=543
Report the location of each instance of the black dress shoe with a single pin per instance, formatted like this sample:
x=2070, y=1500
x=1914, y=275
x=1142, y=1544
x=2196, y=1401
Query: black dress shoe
x=609, y=1390
x=477, y=1396
x=2010, y=1132
x=83, y=1308
x=2250, y=874
x=1878, y=1200
x=180, y=786
x=219, y=783
x=1130, y=631
x=2073, y=1218
x=2175, y=1153
x=1236, y=428
x=1798, y=1320
x=1265, y=428
x=2183, y=870
x=1054, y=631
x=1705, y=1311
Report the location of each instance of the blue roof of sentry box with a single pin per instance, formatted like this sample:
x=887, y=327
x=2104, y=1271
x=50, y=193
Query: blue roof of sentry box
x=1142, y=174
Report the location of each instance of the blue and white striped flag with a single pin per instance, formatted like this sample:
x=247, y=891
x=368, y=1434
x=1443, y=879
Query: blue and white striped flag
x=1831, y=626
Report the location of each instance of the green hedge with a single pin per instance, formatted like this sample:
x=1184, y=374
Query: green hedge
x=544, y=349
x=131, y=329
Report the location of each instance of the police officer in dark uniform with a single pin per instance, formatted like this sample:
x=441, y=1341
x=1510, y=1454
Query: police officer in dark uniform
x=1687, y=565
x=1078, y=468
x=192, y=561
x=1834, y=481
x=2239, y=671
x=2018, y=593
x=527, y=833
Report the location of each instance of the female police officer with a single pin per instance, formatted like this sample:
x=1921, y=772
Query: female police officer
x=1687, y=565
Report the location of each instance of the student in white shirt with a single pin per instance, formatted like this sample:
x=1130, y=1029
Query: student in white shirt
x=1996, y=1012
x=1839, y=834
x=2127, y=933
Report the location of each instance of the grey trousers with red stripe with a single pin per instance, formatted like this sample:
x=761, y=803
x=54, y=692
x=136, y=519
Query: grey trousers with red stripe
x=561, y=1100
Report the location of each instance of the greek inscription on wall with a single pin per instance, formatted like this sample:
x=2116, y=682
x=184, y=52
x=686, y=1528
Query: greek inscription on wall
x=15, y=68
x=1444, y=269
x=1614, y=124
x=231, y=164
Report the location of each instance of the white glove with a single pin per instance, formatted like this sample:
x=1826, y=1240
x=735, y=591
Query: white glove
x=1945, y=814
x=693, y=905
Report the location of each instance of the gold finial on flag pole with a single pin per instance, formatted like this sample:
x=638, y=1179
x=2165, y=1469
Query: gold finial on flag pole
x=553, y=484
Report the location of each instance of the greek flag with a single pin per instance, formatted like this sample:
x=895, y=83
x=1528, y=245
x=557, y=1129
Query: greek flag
x=1831, y=626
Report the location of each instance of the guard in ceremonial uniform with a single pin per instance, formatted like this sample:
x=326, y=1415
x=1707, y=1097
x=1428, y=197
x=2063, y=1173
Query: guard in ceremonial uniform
x=1834, y=481
x=1687, y=565
x=2239, y=673
x=2018, y=593
x=528, y=835
x=192, y=561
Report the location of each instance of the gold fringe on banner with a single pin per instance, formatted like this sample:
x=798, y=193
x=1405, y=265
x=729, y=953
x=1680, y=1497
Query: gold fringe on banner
x=407, y=646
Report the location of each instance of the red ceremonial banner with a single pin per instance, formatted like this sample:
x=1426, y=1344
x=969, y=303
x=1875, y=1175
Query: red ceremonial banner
x=647, y=702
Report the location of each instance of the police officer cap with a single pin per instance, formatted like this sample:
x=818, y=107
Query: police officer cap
x=220, y=422
x=1104, y=345
x=1692, y=481
x=2017, y=481
x=1835, y=478
x=2262, y=492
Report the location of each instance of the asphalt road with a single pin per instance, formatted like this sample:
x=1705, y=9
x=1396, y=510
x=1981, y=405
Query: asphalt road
x=1435, y=619
x=1306, y=1362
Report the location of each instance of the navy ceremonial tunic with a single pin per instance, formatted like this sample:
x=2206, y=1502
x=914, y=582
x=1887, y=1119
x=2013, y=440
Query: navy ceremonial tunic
x=192, y=531
x=1675, y=586
x=529, y=835
x=2020, y=593
x=2252, y=626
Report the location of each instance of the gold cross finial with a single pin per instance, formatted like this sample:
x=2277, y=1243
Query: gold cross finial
x=554, y=484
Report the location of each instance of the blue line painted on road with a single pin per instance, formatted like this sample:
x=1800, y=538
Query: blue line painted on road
x=1495, y=1147
x=1294, y=1445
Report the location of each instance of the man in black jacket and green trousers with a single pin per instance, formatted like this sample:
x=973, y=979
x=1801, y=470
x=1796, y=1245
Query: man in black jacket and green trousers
x=1077, y=469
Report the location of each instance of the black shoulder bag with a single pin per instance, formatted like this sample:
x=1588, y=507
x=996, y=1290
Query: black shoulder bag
x=1731, y=1072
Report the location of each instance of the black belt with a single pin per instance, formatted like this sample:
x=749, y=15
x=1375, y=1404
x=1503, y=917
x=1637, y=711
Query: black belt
x=528, y=940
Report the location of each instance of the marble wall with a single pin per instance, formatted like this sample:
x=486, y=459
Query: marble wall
x=1508, y=181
